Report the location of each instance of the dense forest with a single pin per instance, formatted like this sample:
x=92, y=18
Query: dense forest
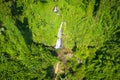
x=91, y=38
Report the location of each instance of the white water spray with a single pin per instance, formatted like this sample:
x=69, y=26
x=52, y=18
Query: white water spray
x=59, y=43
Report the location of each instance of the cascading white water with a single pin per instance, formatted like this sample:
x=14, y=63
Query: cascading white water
x=59, y=43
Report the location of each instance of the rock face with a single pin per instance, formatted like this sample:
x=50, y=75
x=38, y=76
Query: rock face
x=64, y=54
x=59, y=43
x=61, y=66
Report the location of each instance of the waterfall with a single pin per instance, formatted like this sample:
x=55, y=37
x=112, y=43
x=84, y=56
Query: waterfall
x=59, y=43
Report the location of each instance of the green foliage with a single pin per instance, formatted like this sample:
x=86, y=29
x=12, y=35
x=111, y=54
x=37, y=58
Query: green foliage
x=20, y=57
x=105, y=63
x=29, y=27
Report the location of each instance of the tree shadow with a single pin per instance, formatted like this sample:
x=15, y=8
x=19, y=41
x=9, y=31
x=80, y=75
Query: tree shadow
x=49, y=48
x=22, y=26
x=27, y=35
x=96, y=7
x=43, y=1
x=75, y=47
x=24, y=29
x=50, y=72
x=15, y=10
x=118, y=34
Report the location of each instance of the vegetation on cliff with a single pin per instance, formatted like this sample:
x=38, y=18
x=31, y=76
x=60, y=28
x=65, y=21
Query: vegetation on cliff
x=28, y=34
